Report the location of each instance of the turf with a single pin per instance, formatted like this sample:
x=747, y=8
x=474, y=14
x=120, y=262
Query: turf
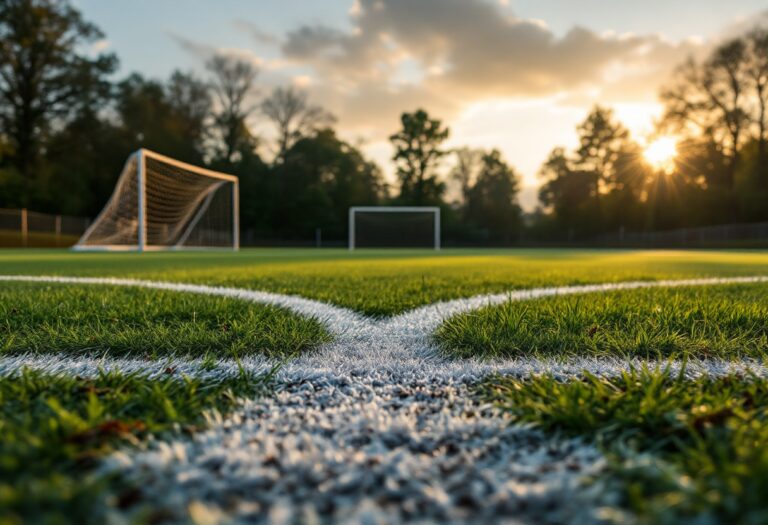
x=723, y=322
x=386, y=282
x=681, y=451
x=90, y=319
x=53, y=430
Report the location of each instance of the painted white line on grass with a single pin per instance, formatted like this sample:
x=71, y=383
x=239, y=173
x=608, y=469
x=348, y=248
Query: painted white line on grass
x=377, y=426
x=424, y=320
x=442, y=371
x=399, y=348
x=359, y=454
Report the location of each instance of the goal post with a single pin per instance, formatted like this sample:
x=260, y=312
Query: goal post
x=394, y=226
x=160, y=203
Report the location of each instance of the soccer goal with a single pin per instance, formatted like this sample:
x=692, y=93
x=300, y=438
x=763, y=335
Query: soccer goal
x=160, y=203
x=394, y=227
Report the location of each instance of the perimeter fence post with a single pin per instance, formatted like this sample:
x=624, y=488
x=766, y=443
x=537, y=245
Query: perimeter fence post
x=24, y=228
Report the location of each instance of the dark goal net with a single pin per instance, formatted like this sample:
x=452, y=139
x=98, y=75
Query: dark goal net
x=398, y=229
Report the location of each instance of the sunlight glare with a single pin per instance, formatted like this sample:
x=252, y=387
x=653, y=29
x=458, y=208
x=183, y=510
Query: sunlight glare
x=661, y=152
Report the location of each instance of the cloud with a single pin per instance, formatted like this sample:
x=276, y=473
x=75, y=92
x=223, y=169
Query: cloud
x=469, y=50
x=447, y=54
x=205, y=52
x=100, y=45
x=256, y=33
x=198, y=49
x=468, y=44
x=746, y=24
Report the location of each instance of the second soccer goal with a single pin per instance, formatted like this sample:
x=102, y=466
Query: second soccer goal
x=160, y=203
x=394, y=227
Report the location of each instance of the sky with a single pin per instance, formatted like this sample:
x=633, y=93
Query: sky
x=517, y=75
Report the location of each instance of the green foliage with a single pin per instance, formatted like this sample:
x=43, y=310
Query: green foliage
x=725, y=322
x=146, y=323
x=601, y=140
x=718, y=107
x=318, y=180
x=599, y=186
x=491, y=201
x=45, y=75
x=87, y=155
x=166, y=117
x=417, y=154
x=293, y=117
x=54, y=429
x=680, y=449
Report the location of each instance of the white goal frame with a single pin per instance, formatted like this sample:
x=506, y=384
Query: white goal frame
x=394, y=209
x=141, y=155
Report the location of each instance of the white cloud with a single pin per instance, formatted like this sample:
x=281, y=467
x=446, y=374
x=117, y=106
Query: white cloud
x=464, y=51
x=356, y=9
x=302, y=81
x=101, y=45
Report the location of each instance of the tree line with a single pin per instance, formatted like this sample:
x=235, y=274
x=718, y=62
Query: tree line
x=716, y=110
x=66, y=127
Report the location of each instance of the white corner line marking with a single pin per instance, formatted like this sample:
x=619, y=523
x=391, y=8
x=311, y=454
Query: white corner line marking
x=399, y=346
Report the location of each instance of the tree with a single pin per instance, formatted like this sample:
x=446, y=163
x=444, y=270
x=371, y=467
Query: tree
x=566, y=193
x=189, y=100
x=86, y=155
x=168, y=117
x=469, y=161
x=320, y=178
x=627, y=188
x=575, y=186
x=492, y=199
x=46, y=75
x=293, y=117
x=81, y=165
x=601, y=140
x=233, y=86
x=757, y=69
x=417, y=154
x=711, y=98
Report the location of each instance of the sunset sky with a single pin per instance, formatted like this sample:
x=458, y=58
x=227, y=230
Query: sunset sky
x=516, y=75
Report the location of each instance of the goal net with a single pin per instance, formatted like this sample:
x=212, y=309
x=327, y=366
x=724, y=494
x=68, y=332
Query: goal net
x=161, y=203
x=394, y=227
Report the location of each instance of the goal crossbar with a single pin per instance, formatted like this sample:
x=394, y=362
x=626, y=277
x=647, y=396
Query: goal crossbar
x=187, y=167
x=394, y=209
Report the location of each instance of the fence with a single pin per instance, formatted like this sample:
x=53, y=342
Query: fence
x=23, y=228
x=750, y=235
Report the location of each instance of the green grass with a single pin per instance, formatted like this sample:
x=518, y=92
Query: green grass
x=95, y=319
x=722, y=321
x=385, y=282
x=680, y=451
x=54, y=429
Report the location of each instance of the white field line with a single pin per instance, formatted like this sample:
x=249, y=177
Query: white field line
x=376, y=427
x=399, y=348
x=440, y=371
x=359, y=454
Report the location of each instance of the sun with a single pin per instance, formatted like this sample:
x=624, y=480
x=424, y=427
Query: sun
x=661, y=152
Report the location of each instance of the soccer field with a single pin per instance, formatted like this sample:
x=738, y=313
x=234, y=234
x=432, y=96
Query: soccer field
x=335, y=386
